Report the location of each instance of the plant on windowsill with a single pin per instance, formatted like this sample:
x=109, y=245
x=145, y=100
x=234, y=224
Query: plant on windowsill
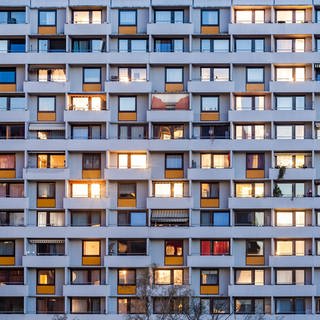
x=277, y=191
x=282, y=171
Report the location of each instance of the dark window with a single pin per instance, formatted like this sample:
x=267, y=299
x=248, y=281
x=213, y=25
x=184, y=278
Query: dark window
x=214, y=218
x=132, y=247
x=209, y=190
x=12, y=276
x=127, y=191
x=132, y=132
x=51, y=45
x=85, y=218
x=85, y=276
x=255, y=161
x=255, y=247
x=132, y=218
x=91, y=161
x=209, y=277
x=50, y=249
x=50, y=305
x=7, y=248
x=46, y=190
x=11, y=305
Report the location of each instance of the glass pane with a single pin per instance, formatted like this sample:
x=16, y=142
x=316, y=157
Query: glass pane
x=46, y=104
x=127, y=104
x=138, y=219
x=209, y=103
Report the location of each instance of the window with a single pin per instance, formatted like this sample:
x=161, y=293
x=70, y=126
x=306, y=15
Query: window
x=126, y=191
x=165, y=305
x=91, y=75
x=255, y=75
x=131, y=306
x=209, y=104
x=214, y=247
x=46, y=190
x=55, y=75
x=12, y=17
x=255, y=161
x=290, y=305
x=132, y=45
x=250, y=16
x=168, y=189
x=127, y=104
x=7, y=248
x=47, y=17
x=249, y=132
x=86, y=190
x=215, y=305
x=292, y=190
x=50, y=219
x=86, y=305
x=174, y=161
x=52, y=161
x=169, y=217
x=168, y=132
x=132, y=74
x=249, y=305
x=132, y=132
x=168, y=45
x=11, y=305
x=87, y=17
x=132, y=161
x=290, y=218
x=209, y=277
x=173, y=248
x=132, y=218
x=46, y=277
x=216, y=161
x=50, y=247
x=209, y=17
x=290, y=16
x=290, y=247
x=168, y=16
x=12, y=45
x=250, y=103
x=51, y=45
x=290, y=276
x=126, y=277
x=91, y=161
x=11, y=190
x=250, y=45
x=88, y=45
x=290, y=132
x=251, y=218
x=214, y=74
x=215, y=45
x=85, y=276
x=174, y=75
x=91, y=248
x=209, y=190
x=250, y=190
x=293, y=160
x=290, y=74
x=290, y=102
x=290, y=45
x=214, y=132
x=132, y=247
x=8, y=218
x=86, y=132
x=254, y=248
x=83, y=103
x=86, y=218
x=7, y=75
x=249, y=277
x=12, y=103
x=11, y=276
x=214, y=218
x=7, y=161
x=168, y=277
x=46, y=104
x=127, y=17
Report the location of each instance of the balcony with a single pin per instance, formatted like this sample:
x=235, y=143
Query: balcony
x=86, y=116
x=85, y=290
x=85, y=203
x=14, y=29
x=14, y=203
x=46, y=87
x=129, y=261
x=197, y=261
x=45, y=174
x=270, y=290
x=172, y=203
x=295, y=87
x=215, y=174
x=293, y=261
x=87, y=29
x=45, y=261
x=123, y=174
x=294, y=174
x=21, y=115
x=170, y=28
x=211, y=86
x=169, y=115
x=128, y=87
x=13, y=290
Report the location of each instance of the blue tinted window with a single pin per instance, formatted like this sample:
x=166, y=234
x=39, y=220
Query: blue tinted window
x=138, y=219
x=221, y=218
x=7, y=76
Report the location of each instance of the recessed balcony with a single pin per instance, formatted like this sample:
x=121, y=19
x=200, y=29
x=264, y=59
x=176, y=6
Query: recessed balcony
x=45, y=174
x=91, y=29
x=14, y=29
x=45, y=261
x=129, y=261
x=46, y=86
x=124, y=174
x=128, y=87
x=14, y=203
x=170, y=28
x=85, y=203
x=86, y=116
x=294, y=173
x=83, y=290
x=172, y=203
x=215, y=174
x=294, y=87
x=211, y=86
x=197, y=261
x=13, y=290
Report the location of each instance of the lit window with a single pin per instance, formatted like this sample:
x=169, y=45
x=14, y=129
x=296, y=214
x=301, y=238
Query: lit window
x=249, y=16
x=250, y=103
x=254, y=277
x=289, y=218
x=174, y=248
x=290, y=247
x=7, y=161
x=290, y=16
x=167, y=190
x=290, y=74
x=290, y=276
x=46, y=277
x=46, y=190
x=86, y=17
x=126, y=277
x=50, y=161
x=167, y=277
x=249, y=190
x=91, y=248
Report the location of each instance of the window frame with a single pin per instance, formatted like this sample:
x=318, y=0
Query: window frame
x=174, y=154
x=91, y=158
x=91, y=255
x=126, y=284
x=84, y=69
x=49, y=270
x=14, y=247
x=211, y=185
x=124, y=183
x=49, y=183
x=90, y=11
x=9, y=69
x=176, y=245
x=209, y=284
x=135, y=104
x=47, y=25
x=120, y=24
x=255, y=82
x=174, y=68
x=218, y=103
x=51, y=111
x=252, y=254
x=172, y=282
x=259, y=154
x=253, y=276
x=210, y=25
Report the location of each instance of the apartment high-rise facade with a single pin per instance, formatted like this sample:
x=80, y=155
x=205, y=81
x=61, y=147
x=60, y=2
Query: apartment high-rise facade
x=167, y=147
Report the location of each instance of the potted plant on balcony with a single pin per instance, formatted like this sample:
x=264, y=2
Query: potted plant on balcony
x=277, y=191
